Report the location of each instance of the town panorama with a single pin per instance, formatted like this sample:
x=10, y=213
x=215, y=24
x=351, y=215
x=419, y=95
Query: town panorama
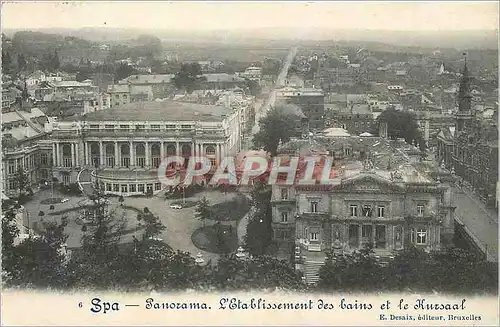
x=341, y=164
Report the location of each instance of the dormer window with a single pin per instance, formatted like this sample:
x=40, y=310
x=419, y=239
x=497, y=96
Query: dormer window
x=367, y=211
x=420, y=210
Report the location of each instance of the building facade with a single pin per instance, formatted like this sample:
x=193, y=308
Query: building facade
x=127, y=143
x=470, y=148
x=311, y=101
x=390, y=210
x=24, y=148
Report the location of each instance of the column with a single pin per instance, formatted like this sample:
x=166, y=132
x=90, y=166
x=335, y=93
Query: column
x=192, y=149
x=148, y=164
x=360, y=238
x=77, y=157
x=177, y=150
x=54, y=154
x=162, y=150
x=217, y=153
x=101, y=154
x=132, y=157
x=86, y=153
x=72, y=154
x=117, y=155
x=58, y=157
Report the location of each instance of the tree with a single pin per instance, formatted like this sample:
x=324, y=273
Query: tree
x=97, y=261
x=188, y=77
x=9, y=233
x=262, y=272
x=402, y=124
x=276, y=127
x=40, y=261
x=154, y=227
x=124, y=70
x=6, y=62
x=258, y=237
x=203, y=210
x=357, y=271
x=253, y=87
x=21, y=62
x=22, y=181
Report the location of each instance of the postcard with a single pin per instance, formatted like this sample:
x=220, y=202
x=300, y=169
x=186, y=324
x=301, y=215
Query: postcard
x=249, y=163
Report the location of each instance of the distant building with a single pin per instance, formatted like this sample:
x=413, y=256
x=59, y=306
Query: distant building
x=161, y=85
x=311, y=101
x=126, y=142
x=470, y=148
x=23, y=134
x=390, y=207
x=222, y=81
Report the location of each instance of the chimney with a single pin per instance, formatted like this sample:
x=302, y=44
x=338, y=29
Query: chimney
x=27, y=132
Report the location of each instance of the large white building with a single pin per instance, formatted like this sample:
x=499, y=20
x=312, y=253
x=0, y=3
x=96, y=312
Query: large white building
x=128, y=142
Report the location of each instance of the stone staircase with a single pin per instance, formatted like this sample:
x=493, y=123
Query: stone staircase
x=311, y=271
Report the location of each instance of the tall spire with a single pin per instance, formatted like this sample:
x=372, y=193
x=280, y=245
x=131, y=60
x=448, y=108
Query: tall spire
x=464, y=115
x=464, y=93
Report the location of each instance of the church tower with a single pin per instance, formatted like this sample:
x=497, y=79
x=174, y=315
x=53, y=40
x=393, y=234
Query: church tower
x=464, y=117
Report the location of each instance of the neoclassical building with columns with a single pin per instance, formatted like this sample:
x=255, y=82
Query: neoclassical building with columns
x=122, y=146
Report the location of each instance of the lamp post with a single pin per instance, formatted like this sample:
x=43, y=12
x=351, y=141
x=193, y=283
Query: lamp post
x=199, y=259
x=241, y=253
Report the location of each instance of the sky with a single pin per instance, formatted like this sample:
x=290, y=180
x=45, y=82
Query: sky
x=405, y=16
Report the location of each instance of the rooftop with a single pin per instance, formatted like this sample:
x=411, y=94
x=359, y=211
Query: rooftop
x=160, y=111
x=147, y=79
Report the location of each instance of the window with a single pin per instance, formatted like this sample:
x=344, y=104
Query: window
x=124, y=188
x=125, y=161
x=44, y=159
x=367, y=233
x=353, y=235
x=110, y=161
x=12, y=185
x=12, y=168
x=157, y=186
x=140, y=161
x=314, y=206
x=155, y=128
x=421, y=236
x=125, y=127
x=170, y=126
x=186, y=126
x=354, y=210
x=284, y=217
x=139, y=127
x=66, y=179
x=381, y=212
x=284, y=194
x=140, y=188
x=149, y=187
x=380, y=239
x=116, y=187
x=108, y=187
x=398, y=237
x=132, y=188
x=213, y=162
x=314, y=236
x=420, y=210
x=117, y=96
x=67, y=162
x=94, y=126
x=347, y=151
x=109, y=128
x=156, y=162
x=367, y=211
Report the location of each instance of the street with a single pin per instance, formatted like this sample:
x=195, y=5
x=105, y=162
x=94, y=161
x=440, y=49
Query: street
x=280, y=81
x=480, y=221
